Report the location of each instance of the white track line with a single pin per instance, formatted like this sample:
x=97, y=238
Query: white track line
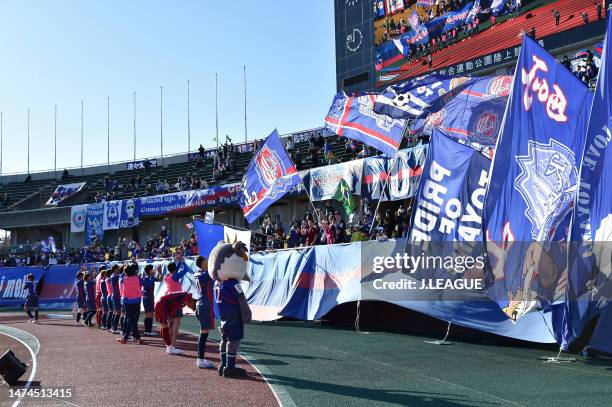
x=33, y=371
x=288, y=401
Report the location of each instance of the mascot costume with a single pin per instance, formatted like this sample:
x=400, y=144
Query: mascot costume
x=227, y=265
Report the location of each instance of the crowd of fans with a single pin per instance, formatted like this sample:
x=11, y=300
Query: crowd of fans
x=331, y=226
x=584, y=68
x=157, y=246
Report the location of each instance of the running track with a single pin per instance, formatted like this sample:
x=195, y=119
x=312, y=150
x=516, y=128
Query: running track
x=103, y=372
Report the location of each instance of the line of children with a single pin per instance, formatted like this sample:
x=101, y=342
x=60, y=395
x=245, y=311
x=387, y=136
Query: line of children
x=121, y=290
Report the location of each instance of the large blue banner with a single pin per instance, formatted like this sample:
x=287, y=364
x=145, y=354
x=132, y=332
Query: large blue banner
x=474, y=116
x=94, y=221
x=12, y=284
x=476, y=113
x=590, y=285
x=533, y=182
x=451, y=195
x=270, y=175
x=354, y=117
x=304, y=284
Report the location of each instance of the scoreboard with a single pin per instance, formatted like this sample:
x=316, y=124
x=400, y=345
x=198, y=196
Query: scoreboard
x=355, y=53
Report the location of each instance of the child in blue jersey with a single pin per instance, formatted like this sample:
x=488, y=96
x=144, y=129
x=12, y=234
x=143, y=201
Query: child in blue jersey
x=148, y=279
x=80, y=299
x=31, y=302
x=90, y=299
x=204, y=311
x=104, y=291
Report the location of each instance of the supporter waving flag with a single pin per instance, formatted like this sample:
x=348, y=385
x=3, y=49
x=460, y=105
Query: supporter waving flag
x=533, y=181
x=269, y=176
x=354, y=117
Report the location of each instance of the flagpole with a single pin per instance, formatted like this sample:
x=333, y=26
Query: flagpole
x=217, y=109
x=1, y=139
x=245, y=103
x=55, y=142
x=161, y=123
x=188, y=121
x=81, y=137
x=134, y=125
x=108, y=131
x=382, y=189
x=28, y=141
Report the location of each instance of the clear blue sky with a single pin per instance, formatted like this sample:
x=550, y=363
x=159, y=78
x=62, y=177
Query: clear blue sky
x=64, y=52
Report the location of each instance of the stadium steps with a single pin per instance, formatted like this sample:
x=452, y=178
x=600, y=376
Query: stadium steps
x=21, y=193
x=507, y=34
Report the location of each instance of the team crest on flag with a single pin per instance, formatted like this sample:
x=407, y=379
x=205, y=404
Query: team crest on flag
x=486, y=124
x=547, y=183
x=500, y=86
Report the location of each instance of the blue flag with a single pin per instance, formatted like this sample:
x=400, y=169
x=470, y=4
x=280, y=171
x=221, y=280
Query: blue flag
x=590, y=285
x=269, y=176
x=451, y=193
x=476, y=113
x=416, y=96
x=533, y=182
x=354, y=117
x=94, y=220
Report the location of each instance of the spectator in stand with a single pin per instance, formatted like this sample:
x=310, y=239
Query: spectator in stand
x=297, y=159
x=312, y=149
x=329, y=231
x=339, y=228
x=557, y=16
x=201, y=151
x=532, y=33
x=289, y=145
x=351, y=147
x=566, y=62
x=326, y=150
x=585, y=17
x=599, y=10
x=294, y=236
x=364, y=153
x=312, y=233
x=65, y=175
x=331, y=158
x=429, y=62
x=159, y=188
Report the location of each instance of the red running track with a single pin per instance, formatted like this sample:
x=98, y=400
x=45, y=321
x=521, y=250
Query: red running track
x=103, y=372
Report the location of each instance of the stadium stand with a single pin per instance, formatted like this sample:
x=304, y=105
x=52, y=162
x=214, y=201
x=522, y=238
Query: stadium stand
x=506, y=33
x=34, y=194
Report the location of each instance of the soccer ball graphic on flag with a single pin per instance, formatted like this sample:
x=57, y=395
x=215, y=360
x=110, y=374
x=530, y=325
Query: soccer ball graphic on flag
x=401, y=100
